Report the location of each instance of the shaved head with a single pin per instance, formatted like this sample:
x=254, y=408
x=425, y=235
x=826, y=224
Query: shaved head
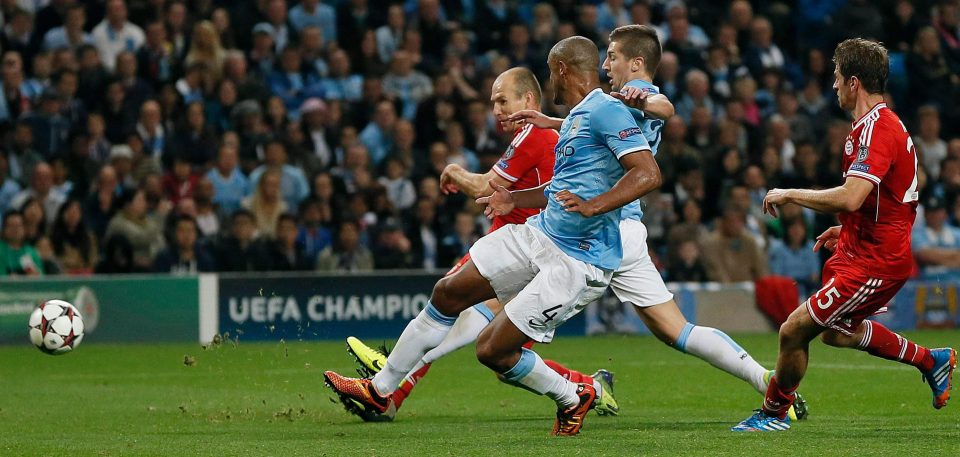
x=521, y=80
x=579, y=54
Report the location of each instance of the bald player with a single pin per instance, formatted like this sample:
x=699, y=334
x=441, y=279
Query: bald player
x=527, y=163
x=547, y=269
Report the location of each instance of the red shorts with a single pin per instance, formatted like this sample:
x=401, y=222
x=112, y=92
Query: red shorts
x=849, y=296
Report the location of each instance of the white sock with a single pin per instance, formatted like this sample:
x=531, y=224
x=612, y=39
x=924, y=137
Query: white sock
x=465, y=331
x=719, y=350
x=531, y=373
x=422, y=334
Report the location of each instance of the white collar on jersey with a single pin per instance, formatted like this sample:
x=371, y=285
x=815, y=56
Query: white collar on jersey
x=865, y=116
x=585, y=97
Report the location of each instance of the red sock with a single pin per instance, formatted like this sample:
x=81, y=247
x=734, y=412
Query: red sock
x=406, y=386
x=778, y=401
x=881, y=342
x=572, y=375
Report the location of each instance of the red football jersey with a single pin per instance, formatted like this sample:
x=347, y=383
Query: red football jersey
x=527, y=163
x=876, y=237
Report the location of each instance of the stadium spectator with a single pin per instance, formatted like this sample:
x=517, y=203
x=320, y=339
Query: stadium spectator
x=688, y=266
x=17, y=257
x=284, y=253
x=141, y=230
x=16, y=94
x=390, y=35
x=34, y=220
x=291, y=84
x=399, y=188
x=293, y=184
x=71, y=34
x=180, y=181
x=730, y=253
x=8, y=187
x=313, y=233
x=155, y=60
x=341, y=83
x=423, y=235
x=238, y=250
x=936, y=243
x=207, y=216
x=74, y=245
x=136, y=90
x=930, y=146
x=313, y=13
x=794, y=257
x=406, y=84
x=457, y=243
x=115, y=34
x=185, y=255
x=762, y=53
x=48, y=259
x=42, y=189
x=266, y=203
x=346, y=254
x=392, y=250
x=205, y=47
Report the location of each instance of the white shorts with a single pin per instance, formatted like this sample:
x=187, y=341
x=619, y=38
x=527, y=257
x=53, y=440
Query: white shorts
x=541, y=285
x=637, y=281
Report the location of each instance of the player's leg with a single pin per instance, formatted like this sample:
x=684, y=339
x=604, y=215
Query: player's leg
x=451, y=295
x=465, y=330
x=500, y=348
x=637, y=281
x=560, y=289
x=937, y=365
x=792, y=360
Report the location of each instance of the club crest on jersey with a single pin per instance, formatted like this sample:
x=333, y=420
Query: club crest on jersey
x=862, y=153
x=575, y=124
x=848, y=147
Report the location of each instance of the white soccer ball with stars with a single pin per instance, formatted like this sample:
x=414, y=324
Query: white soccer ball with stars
x=56, y=327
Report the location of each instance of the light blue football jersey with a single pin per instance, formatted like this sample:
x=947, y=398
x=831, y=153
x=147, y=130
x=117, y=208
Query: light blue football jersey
x=594, y=136
x=651, y=131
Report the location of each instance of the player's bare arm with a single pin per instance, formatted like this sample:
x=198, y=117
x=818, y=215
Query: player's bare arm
x=538, y=119
x=845, y=198
x=642, y=176
x=657, y=106
x=456, y=178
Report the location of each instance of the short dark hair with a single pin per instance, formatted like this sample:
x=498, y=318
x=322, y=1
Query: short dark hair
x=865, y=59
x=639, y=41
x=286, y=217
x=8, y=213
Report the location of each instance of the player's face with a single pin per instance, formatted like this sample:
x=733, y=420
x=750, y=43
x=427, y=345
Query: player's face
x=844, y=91
x=505, y=101
x=617, y=66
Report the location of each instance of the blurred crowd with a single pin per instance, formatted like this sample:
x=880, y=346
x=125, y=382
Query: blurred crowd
x=265, y=135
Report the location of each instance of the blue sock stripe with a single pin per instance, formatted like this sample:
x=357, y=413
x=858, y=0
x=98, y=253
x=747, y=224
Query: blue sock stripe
x=438, y=316
x=681, y=343
x=523, y=367
x=482, y=308
x=729, y=340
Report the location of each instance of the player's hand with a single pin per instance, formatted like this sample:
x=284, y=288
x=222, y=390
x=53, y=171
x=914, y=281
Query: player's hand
x=499, y=203
x=529, y=116
x=571, y=203
x=828, y=239
x=447, y=186
x=632, y=96
x=774, y=198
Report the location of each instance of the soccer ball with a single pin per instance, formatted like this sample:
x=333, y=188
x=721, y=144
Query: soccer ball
x=56, y=327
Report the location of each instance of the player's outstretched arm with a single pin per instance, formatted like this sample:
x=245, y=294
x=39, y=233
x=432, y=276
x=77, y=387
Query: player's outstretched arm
x=455, y=179
x=656, y=105
x=538, y=119
x=642, y=176
x=845, y=198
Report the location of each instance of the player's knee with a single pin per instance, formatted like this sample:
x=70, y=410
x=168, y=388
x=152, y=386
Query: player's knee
x=443, y=298
x=489, y=355
x=789, y=334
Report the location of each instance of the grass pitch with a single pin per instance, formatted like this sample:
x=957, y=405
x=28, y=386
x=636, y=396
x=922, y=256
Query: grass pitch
x=250, y=399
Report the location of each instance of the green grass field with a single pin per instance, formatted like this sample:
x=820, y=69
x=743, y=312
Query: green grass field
x=267, y=399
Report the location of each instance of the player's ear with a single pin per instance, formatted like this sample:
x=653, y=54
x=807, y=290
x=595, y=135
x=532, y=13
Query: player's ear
x=636, y=64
